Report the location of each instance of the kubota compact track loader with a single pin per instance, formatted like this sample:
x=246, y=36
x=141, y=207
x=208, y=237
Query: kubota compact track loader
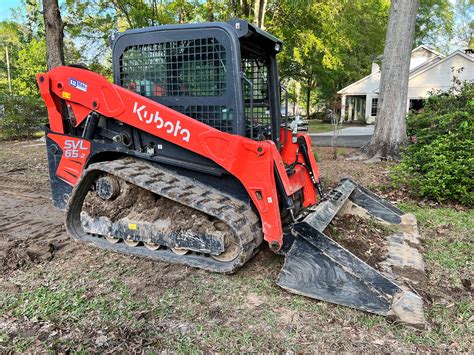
x=185, y=159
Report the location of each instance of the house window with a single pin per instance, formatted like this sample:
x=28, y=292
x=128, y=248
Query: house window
x=375, y=103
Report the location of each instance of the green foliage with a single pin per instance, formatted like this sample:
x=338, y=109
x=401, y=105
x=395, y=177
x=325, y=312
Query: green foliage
x=32, y=60
x=329, y=44
x=451, y=253
x=439, y=161
x=433, y=20
x=22, y=116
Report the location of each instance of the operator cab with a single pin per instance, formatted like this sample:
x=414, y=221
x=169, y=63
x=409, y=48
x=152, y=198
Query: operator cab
x=222, y=74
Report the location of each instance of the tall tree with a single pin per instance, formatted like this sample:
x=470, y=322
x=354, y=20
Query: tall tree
x=328, y=44
x=390, y=128
x=54, y=30
x=260, y=8
x=463, y=32
x=434, y=22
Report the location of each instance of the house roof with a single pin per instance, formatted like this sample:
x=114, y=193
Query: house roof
x=358, y=81
x=455, y=53
x=430, y=61
x=429, y=49
x=415, y=69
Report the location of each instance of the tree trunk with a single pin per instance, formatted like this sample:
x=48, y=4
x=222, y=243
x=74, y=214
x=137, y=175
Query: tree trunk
x=308, y=101
x=244, y=5
x=235, y=8
x=260, y=7
x=54, y=34
x=390, y=127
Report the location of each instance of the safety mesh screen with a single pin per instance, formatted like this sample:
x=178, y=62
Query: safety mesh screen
x=217, y=116
x=256, y=71
x=194, y=67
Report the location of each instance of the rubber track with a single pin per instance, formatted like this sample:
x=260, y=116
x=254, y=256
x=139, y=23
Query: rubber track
x=186, y=191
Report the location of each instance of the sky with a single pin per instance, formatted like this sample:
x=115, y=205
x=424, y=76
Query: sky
x=6, y=6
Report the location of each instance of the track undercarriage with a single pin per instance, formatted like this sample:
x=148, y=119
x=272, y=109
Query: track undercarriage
x=138, y=208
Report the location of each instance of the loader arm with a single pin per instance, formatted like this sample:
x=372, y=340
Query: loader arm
x=253, y=163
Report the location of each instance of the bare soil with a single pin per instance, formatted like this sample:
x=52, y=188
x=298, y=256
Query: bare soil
x=60, y=295
x=141, y=205
x=364, y=239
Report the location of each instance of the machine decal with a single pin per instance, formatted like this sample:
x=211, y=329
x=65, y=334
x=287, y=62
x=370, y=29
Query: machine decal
x=74, y=148
x=75, y=152
x=155, y=118
x=78, y=84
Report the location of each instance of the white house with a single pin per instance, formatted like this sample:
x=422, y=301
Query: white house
x=429, y=70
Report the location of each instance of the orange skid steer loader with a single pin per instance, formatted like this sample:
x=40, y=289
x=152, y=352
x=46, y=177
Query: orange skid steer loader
x=186, y=159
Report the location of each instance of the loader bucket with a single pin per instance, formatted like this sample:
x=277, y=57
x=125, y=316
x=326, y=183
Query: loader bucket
x=318, y=267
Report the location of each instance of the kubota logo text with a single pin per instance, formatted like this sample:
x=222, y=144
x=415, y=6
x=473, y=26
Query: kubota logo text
x=160, y=123
x=74, y=148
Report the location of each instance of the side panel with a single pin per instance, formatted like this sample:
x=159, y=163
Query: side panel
x=60, y=189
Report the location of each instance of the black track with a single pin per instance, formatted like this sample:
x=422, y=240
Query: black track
x=183, y=190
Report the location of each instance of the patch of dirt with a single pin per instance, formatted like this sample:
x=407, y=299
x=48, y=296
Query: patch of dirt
x=374, y=176
x=415, y=276
x=332, y=171
x=365, y=239
x=31, y=230
x=16, y=255
x=288, y=316
x=253, y=300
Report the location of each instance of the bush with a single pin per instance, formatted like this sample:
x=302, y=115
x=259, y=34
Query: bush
x=318, y=116
x=21, y=116
x=438, y=162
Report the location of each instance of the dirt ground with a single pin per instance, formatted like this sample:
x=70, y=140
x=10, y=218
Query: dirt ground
x=59, y=295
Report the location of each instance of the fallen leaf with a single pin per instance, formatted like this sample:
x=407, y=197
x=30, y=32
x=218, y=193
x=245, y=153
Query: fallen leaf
x=101, y=340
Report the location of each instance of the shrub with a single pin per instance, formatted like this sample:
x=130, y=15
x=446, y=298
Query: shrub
x=438, y=162
x=318, y=116
x=22, y=116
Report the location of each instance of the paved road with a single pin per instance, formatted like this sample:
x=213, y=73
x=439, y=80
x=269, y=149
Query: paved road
x=351, y=137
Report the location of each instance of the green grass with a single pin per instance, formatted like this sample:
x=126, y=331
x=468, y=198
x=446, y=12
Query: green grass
x=68, y=305
x=319, y=127
x=447, y=239
x=23, y=343
x=438, y=216
x=35, y=135
x=448, y=235
x=448, y=325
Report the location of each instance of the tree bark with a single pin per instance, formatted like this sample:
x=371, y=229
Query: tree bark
x=235, y=8
x=244, y=5
x=260, y=8
x=390, y=127
x=308, y=101
x=54, y=34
